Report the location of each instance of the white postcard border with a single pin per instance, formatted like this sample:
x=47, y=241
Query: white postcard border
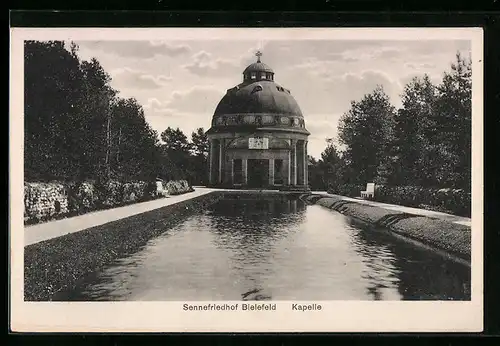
x=335, y=316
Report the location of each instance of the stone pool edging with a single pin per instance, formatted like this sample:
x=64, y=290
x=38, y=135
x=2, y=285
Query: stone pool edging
x=444, y=236
x=59, y=264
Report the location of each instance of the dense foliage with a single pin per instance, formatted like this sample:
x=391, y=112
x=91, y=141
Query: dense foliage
x=77, y=128
x=426, y=143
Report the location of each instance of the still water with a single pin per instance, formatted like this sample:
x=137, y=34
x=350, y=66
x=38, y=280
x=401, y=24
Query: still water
x=279, y=249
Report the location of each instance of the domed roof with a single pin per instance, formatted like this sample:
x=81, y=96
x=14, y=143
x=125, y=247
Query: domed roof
x=258, y=67
x=261, y=97
x=258, y=102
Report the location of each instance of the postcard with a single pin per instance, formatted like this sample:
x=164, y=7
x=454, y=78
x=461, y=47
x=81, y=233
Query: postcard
x=246, y=179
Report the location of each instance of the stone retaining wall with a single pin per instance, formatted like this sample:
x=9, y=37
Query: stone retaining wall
x=452, y=238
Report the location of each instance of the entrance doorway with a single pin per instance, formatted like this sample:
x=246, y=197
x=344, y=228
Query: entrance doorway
x=258, y=173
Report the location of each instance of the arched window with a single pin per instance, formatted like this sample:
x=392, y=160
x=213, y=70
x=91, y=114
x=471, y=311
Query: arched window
x=263, y=75
x=253, y=75
x=257, y=88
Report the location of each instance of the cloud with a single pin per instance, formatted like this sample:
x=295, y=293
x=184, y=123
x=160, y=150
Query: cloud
x=326, y=89
x=420, y=66
x=205, y=65
x=322, y=129
x=155, y=107
x=431, y=48
x=136, y=79
x=199, y=100
x=137, y=49
x=387, y=53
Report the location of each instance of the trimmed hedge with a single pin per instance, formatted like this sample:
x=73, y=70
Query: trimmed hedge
x=453, y=201
x=349, y=190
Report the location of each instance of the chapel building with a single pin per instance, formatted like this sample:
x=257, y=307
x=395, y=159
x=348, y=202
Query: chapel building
x=258, y=137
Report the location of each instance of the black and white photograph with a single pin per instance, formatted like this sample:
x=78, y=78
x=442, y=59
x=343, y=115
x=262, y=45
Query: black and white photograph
x=229, y=179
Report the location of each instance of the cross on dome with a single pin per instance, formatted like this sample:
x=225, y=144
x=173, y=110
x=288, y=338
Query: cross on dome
x=258, y=55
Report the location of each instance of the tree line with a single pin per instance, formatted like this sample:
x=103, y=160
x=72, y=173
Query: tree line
x=78, y=128
x=426, y=142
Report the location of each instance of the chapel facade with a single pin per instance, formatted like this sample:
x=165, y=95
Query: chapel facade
x=258, y=137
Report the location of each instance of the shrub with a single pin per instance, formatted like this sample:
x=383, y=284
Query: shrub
x=177, y=187
x=134, y=191
x=111, y=192
x=349, y=190
x=44, y=200
x=454, y=201
x=82, y=196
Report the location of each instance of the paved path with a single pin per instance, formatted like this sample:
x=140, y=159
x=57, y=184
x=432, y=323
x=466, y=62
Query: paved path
x=51, y=229
x=416, y=211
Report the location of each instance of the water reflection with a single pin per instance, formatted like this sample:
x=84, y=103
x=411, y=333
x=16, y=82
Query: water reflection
x=276, y=248
x=251, y=228
x=416, y=274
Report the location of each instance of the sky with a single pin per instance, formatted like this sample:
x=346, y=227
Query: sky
x=179, y=83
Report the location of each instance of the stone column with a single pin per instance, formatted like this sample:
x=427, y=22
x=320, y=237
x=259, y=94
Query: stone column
x=271, y=172
x=244, y=170
x=289, y=170
x=304, y=154
x=211, y=163
x=293, y=163
x=307, y=165
x=220, y=162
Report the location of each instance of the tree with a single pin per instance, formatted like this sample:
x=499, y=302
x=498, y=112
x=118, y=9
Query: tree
x=199, y=140
x=176, y=150
x=414, y=124
x=134, y=151
x=454, y=122
x=96, y=119
x=199, y=148
x=366, y=131
x=75, y=126
x=53, y=87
